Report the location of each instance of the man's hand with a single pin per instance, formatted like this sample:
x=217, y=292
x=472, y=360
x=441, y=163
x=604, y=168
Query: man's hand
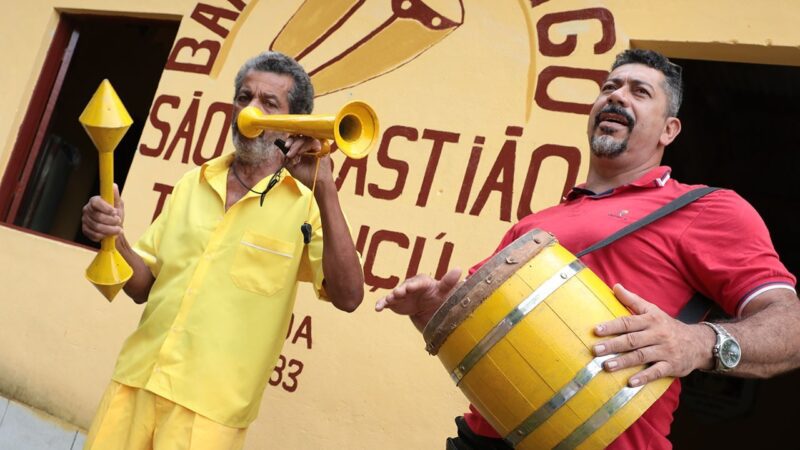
x=419, y=296
x=100, y=220
x=651, y=337
x=301, y=162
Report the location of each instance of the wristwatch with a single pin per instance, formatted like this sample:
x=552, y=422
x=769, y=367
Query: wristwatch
x=727, y=352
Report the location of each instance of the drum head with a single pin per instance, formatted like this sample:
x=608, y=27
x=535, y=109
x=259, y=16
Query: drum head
x=475, y=289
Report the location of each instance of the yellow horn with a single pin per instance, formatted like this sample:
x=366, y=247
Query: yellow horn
x=354, y=128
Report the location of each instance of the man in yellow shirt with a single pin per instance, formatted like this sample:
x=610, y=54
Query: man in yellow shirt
x=219, y=270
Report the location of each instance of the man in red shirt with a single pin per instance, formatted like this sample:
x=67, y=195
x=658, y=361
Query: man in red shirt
x=717, y=246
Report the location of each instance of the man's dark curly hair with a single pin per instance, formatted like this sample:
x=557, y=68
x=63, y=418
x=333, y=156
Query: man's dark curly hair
x=672, y=73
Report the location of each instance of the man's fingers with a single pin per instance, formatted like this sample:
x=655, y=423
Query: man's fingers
x=117, y=198
x=624, y=324
x=396, y=295
x=449, y=280
x=417, y=284
x=104, y=218
x=288, y=142
x=408, y=297
x=648, y=337
x=399, y=305
x=381, y=303
x=97, y=204
x=637, y=305
x=119, y=204
x=90, y=233
x=300, y=145
x=99, y=219
x=636, y=357
x=625, y=343
x=97, y=211
x=652, y=373
x=97, y=231
x=633, y=302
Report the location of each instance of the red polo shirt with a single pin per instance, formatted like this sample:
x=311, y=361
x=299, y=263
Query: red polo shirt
x=718, y=246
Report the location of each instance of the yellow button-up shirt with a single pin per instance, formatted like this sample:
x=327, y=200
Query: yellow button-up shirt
x=225, y=285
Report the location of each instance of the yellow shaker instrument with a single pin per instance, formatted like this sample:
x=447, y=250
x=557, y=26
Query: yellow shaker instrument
x=106, y=120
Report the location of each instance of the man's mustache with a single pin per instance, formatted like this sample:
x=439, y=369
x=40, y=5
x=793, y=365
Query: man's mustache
x=618, y=110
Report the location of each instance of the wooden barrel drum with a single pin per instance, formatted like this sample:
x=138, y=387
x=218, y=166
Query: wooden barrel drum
x=516, y=337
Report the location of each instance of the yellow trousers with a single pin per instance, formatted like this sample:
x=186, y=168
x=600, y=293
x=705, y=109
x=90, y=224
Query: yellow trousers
x=134, y=419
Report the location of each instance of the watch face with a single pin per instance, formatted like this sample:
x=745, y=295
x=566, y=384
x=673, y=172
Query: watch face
x=730, y=353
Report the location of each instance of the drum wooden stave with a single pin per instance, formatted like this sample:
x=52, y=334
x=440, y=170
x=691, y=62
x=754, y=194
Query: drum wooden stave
x=516, y=337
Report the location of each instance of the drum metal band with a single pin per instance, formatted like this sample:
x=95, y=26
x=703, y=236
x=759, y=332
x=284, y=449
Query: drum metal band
x=599, y=418
x=559, y=399
x=516, y=315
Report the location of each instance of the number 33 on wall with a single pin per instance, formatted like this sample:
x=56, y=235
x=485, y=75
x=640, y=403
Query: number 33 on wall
x=286, y=372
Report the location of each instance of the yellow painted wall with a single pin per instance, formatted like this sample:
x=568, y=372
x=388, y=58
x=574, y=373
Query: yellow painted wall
x=366, y=382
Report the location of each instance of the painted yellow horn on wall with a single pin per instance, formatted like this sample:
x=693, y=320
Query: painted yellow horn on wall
x=354, y=128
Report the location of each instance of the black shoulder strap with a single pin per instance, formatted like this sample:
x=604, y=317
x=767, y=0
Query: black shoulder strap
x=697, y=308
x=670, y=207
x=699, y=305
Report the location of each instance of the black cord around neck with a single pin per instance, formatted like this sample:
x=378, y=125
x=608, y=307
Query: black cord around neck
x=281, y=144
x=272, y=182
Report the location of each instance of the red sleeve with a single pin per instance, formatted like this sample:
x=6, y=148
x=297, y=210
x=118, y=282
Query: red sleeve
x=728, y=254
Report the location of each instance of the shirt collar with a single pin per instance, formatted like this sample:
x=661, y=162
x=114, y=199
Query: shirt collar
x=215, y=173
x=655, y=178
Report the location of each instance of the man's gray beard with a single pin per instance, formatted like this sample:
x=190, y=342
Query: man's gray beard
x=607, y=147
x=253, y=151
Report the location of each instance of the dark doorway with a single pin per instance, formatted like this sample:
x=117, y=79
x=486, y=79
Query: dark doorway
x=740, y=131
x=53, y=168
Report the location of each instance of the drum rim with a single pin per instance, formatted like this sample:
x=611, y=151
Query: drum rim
x=477, y=288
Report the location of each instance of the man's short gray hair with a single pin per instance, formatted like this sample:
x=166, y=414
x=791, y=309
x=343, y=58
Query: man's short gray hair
x=301, y=96
x=672, y=73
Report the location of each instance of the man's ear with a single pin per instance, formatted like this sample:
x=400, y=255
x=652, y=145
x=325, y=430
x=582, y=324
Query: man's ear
x=672, y=128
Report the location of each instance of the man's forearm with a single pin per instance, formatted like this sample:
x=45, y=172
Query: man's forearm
x=769, y=337
x=344, y=279
x=138, y=286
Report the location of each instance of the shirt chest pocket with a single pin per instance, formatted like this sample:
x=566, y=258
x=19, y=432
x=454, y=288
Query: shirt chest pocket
x=262, y=264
